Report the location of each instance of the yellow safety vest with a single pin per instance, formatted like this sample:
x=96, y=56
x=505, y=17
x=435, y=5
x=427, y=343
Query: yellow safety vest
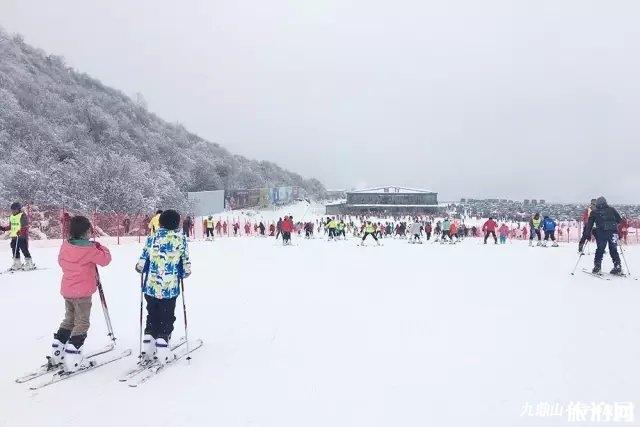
x=536, y=222
x=16, y=224
x=154, y=224
x=369, y=229
x=209, y=223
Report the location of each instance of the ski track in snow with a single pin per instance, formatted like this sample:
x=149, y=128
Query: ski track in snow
x=332, y=334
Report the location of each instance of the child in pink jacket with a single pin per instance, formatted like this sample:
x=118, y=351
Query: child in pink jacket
x=78, y=258
x=503, y=231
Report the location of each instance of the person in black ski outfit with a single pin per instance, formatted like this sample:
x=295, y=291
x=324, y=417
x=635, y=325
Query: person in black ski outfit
x=606, y=220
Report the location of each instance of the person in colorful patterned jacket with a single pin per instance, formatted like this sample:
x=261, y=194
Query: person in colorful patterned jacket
x=19, y=234
x=165, y=260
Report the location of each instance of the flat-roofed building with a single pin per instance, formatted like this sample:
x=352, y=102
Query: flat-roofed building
x=387, y=201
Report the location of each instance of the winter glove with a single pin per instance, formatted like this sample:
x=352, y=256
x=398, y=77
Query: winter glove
x=580, y=247
x=139, y=268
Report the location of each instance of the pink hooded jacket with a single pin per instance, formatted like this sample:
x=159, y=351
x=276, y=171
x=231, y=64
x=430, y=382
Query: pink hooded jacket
x=504, y=230
x=79, y=268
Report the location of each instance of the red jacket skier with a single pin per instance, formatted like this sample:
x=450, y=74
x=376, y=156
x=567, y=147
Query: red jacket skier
x=489, y=226
x=287, y=225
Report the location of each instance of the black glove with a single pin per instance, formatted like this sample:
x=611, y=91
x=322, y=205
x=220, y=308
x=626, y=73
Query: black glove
x=580, y=247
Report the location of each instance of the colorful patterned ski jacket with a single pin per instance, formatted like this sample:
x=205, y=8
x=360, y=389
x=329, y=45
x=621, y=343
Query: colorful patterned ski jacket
x=164, y=259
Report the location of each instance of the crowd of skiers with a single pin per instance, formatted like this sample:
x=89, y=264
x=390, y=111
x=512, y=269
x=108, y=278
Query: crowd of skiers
x=445, y=230
x=164, y=261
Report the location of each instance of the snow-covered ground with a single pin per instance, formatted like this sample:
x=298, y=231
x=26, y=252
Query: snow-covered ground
x=332, y=334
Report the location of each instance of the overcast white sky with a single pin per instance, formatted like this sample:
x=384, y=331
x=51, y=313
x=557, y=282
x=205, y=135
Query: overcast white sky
x=513, y=98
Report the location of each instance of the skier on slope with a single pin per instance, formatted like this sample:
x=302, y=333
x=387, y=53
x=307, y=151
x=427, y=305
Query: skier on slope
x=287, y=229
x=78, y=258
x=549, y=226
x=209, y=227
x=416, y=231
x=187, y=226
x=427, y=230
x=534, y=224
x=308, y=230
x=279, y=228
x=19, y=234
x=606, y=220
x=340, y=230
x=489, y=229
x=165, y=260
x=453, y=232
x=446, y=230
x=503, y=231
x=585, y=220
x=369, y=230
x=623, y=229
x=332, y=225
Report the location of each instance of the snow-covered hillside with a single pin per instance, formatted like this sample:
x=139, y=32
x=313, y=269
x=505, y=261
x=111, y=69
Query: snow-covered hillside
x=332, y=334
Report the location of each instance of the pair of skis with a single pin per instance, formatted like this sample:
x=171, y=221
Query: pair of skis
x=144, y=371
x=607, y=277
x=60, y=375
x=48, y=367
x=11, y=271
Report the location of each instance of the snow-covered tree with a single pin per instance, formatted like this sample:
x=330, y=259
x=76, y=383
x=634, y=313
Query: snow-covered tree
x=68, y=140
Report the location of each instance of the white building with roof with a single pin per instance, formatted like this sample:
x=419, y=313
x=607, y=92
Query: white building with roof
x=389, y=200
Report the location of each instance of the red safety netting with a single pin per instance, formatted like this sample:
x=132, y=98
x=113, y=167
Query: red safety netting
x=52, y=223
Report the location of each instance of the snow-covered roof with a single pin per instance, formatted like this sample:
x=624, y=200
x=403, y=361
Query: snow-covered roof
x=396, y=206
x=392, y=189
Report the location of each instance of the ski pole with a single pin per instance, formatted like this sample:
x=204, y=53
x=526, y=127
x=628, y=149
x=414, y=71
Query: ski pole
x=15, y=249
x=579, y=258
x=143, y=280
x=105, y=309
x=624, y=258
x=184, y=312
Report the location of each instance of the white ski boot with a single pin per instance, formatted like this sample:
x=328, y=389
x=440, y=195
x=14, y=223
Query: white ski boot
x=544, y=244
x=148, y=349
x=163, y=351
x=57, y=352
x=539, y=243
x=73, y=358
x=17, y=265
x=555, y=244
x=28, y=264
x=530, y=243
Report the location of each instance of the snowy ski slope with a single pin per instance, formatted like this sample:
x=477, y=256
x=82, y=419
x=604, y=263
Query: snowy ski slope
x=332, y=334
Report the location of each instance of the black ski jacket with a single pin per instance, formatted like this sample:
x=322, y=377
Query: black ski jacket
x=605, y=218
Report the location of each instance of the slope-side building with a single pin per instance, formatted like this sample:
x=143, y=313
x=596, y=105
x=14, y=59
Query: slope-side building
x=387, y=201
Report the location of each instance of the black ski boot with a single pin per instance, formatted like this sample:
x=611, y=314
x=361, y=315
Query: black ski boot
x=617, y=270
x=596, y=269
